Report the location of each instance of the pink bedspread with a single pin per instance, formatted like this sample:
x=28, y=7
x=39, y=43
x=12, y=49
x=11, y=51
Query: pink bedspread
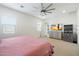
x=25, y=46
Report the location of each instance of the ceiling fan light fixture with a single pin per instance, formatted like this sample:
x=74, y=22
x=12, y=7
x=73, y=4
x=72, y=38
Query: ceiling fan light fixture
x=42, y=14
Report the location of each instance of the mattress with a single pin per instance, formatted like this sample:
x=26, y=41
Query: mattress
x=25, y=46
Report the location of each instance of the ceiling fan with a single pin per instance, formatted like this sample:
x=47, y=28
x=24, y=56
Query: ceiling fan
x=46, y=10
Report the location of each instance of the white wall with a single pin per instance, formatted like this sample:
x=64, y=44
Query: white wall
x=78, y=24
x=25, y=24
x=67, y=18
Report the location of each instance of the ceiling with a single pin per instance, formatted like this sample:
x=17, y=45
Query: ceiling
x=34, y=8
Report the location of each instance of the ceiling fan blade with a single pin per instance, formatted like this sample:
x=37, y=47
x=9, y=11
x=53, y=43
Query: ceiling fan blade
x=42, y=6
x=48, y=12
x=50, y=9
x=48, y=6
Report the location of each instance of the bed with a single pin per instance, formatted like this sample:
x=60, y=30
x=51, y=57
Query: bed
x=25, y=46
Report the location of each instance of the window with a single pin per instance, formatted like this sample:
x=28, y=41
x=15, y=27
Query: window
x=8, y=28
x=8, y=25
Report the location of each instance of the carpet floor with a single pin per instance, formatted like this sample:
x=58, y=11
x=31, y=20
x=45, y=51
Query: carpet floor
x=62, y=48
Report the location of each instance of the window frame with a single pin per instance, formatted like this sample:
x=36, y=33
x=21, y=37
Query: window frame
x=5, y=29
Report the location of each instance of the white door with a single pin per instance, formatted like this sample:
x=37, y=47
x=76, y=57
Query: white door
x=44, y=31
